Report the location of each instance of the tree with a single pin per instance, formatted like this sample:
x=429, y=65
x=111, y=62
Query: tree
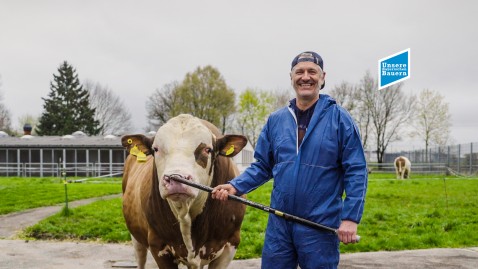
x=110, y=111
x=389, y=110
x=160, y=105
x=356, y=100
x=67, y=107
x=253, y=108
x=432, y=119
x=203, y=93
x=280, y=98
x=5, y=117
x=380, y=115
x=345, y=95
x=362, y=112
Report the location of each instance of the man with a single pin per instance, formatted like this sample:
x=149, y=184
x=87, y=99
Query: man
x=313, y=151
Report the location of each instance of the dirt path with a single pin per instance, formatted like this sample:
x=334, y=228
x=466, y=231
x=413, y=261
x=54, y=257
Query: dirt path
x=73, y=255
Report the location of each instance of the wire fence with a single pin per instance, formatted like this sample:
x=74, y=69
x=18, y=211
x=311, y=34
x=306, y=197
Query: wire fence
x=459, y=159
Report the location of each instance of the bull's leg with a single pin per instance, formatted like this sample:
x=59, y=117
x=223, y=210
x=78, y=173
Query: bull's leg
x=224, y=259
x=140, y=251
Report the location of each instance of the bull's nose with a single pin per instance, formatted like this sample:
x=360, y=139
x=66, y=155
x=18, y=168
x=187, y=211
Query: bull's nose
x=185, y=177
x=167, y=178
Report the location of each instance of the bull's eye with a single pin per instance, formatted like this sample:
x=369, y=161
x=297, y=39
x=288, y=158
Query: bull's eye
x=155, y=149
x=207, y=150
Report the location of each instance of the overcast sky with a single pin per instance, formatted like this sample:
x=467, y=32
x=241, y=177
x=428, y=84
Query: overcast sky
x=135, y=47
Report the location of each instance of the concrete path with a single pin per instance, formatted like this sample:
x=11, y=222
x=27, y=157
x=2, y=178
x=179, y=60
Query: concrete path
x=72, y=255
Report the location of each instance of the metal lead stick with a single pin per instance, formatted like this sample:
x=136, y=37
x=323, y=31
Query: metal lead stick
x=262, y=207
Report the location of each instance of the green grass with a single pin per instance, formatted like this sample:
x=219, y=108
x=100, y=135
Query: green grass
x=419, y=213
x=20, y=193
x=424, y=212
x=102, y=220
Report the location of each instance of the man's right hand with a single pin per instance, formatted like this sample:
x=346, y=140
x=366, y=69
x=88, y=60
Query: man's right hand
x=221, y=192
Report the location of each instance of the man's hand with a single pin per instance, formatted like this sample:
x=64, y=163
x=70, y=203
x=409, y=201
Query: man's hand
x=347, y=232
x=221, y=192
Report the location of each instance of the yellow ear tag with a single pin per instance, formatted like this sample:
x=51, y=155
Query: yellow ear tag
x=140, y=156
x=230, y=150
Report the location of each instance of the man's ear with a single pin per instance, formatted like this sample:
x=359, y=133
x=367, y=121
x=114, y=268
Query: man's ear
x=230, y=145
x=141, y=142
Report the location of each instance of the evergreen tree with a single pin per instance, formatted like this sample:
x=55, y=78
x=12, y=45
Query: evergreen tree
x=67, y=107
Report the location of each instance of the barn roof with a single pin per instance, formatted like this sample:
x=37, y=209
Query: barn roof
x=67, y=141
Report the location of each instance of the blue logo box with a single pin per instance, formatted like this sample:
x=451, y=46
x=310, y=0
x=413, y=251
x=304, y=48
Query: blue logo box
x=393, y=69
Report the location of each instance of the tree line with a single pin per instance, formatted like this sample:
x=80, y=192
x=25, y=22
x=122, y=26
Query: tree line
x=382, y=116
x=389, y=115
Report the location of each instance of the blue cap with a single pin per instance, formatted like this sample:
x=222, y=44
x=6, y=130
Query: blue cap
x=309, y=56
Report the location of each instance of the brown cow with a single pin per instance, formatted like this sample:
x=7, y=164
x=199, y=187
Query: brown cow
x=403, y=167
x=177, y=223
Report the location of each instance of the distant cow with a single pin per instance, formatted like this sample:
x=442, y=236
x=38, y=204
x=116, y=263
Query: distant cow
x=402, y=167
x=177, y=223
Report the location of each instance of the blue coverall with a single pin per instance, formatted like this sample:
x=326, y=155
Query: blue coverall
x=309, y=182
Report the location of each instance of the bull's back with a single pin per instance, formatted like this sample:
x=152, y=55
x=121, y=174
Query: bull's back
x=137, y=178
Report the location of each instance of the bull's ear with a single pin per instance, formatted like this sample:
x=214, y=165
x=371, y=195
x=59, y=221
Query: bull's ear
x=230, y=145
x=137, y=142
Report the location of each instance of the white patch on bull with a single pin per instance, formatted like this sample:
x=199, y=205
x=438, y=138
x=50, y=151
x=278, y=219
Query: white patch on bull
x=223, y=257
x=165, y=251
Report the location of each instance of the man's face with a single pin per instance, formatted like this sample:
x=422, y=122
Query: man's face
x=307, y=78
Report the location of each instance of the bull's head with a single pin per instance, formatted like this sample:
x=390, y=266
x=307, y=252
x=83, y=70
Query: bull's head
x=187, y=147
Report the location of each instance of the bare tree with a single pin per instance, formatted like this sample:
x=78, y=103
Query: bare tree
x=362, y=113
x=432, y=119
x=389, y=109
x=281, y=98
x=5, y=117
x=356, y=100
x=110, y=111
x=344, y=94
x=160, y=105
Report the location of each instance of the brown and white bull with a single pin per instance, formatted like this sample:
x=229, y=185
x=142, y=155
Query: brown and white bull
x=177, y=223
x=403, y=167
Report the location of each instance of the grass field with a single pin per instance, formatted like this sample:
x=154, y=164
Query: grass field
x=424, y=212
x=20, y=193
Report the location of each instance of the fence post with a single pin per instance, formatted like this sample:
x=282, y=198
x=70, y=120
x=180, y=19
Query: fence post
x=471, y=156
x=459, y=157
x=448, y=157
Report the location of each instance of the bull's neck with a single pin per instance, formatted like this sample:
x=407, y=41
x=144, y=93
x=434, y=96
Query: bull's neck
x=186, y=212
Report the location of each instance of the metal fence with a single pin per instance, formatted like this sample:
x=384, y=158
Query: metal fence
x=459, y=159
x=55, y=169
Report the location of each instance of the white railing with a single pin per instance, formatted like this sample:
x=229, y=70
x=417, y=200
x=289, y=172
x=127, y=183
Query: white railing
x=55, y=169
